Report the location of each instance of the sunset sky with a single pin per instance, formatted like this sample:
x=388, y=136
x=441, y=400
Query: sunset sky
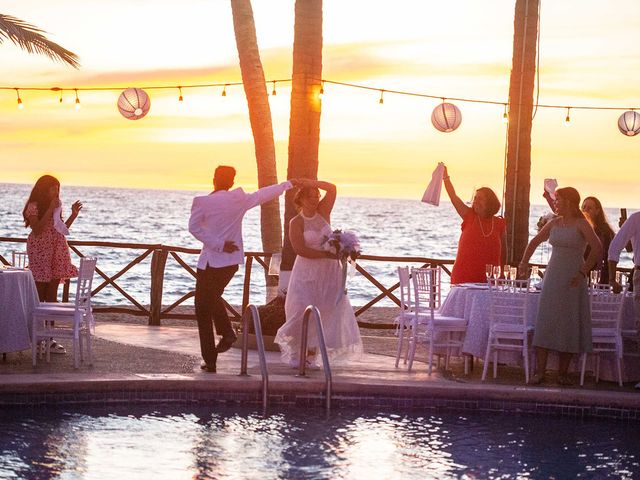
x=459, y=48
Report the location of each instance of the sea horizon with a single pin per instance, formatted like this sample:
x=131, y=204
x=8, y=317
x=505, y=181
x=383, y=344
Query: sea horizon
x=386, y=227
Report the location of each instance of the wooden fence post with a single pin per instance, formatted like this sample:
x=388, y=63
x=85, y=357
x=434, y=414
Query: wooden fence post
x=158, y=261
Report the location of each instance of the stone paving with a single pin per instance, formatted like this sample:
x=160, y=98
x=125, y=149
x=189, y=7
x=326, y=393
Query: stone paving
x=138, y=358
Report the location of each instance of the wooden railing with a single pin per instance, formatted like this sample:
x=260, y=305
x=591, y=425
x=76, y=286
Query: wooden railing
x=160, y=254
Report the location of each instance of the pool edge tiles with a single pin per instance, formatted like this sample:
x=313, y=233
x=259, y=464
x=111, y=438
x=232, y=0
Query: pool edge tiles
x=35, y=390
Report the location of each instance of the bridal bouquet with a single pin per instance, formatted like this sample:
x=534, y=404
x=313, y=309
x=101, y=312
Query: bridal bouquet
x=346, y=246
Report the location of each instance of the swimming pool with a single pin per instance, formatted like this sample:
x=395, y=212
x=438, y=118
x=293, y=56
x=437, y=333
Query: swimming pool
x=176, y=442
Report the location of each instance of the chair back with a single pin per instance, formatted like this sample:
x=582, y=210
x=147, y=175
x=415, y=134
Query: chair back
x=606, y=309
x=19, y=259
x=509, y=301
x=85, y=280
x=426, y=289
x=405, y=289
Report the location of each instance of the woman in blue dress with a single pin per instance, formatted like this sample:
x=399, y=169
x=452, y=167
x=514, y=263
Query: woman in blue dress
x=563, y=323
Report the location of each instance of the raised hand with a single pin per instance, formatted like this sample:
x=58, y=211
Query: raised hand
x=76, y=207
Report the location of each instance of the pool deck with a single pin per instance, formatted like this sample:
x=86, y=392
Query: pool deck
x=370, y=381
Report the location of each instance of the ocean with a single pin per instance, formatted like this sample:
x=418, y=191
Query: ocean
x=386, y=227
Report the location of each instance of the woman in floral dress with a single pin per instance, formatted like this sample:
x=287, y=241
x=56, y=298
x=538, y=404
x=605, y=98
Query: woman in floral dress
x=49, y=259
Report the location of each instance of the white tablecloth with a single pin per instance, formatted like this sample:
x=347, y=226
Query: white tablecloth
x=18, y=298
x=473, y=304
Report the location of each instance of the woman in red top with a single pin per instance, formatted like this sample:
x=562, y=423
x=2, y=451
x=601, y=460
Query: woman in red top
x=483, y=238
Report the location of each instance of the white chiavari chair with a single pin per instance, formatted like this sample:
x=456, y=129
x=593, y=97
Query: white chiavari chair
x=509, y=327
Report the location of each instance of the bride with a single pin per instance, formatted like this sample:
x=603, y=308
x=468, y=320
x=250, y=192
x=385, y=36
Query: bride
x=316, y=279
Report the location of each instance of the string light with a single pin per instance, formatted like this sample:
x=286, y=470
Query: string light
x=505, y=115
x=20, y=104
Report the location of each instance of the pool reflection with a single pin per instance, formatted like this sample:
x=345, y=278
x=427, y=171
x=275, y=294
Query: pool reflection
x=200, y=443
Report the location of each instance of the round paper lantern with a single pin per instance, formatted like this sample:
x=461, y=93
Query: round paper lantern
x=629, y=123
x=134, y=103
x=446, y=117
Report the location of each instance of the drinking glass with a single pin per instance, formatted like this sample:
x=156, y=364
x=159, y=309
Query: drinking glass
x=593, y=275
x=505, y=271
x=496, y=271
x=488, y=270
x=534, y=271
x=619, y=277
x=513, y=272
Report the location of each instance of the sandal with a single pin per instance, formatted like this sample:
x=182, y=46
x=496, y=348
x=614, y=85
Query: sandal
x=57, y=348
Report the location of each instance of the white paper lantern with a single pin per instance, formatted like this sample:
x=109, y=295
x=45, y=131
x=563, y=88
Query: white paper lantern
x=134, y=103
x=629, y=123
x=446, y=117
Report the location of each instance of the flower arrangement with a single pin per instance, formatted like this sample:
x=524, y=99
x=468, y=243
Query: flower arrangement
x=344, y=244
x=544, y=219
x=346, y=247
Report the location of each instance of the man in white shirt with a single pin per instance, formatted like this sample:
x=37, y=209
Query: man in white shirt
x=216, y=220
x=630, y=230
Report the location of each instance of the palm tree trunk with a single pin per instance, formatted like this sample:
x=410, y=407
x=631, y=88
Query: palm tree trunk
x=304, y=123
x=260, y=117
x=518, y=174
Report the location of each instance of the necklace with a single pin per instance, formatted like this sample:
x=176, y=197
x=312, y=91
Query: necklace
x=482, y=229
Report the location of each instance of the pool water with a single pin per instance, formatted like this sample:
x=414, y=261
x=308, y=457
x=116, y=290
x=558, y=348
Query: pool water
x=235, y=443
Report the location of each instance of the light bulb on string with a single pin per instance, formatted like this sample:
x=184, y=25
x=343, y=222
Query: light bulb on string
x=20, y=104
x=567, y=120
x=180, y=99
x=224, y=91
x=505, y=115
x=321, y=92
x=273, y=92
x=381, y=101
x=60, y=99
x=77, y=100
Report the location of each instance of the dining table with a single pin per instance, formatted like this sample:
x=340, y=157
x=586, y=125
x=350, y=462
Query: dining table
x=18, y=299
x=472, y=302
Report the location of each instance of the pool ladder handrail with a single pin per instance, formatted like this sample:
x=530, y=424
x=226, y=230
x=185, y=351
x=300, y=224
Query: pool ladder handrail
x=252, y=311
x=312, y=310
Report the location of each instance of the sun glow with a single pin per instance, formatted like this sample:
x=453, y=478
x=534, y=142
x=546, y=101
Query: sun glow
x=370, y=149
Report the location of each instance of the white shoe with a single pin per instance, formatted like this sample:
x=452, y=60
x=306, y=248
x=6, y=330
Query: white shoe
x=637, y=385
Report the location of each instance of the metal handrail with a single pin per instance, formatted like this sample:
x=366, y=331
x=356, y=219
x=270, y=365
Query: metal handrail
x=323, y=349
x=252, y=311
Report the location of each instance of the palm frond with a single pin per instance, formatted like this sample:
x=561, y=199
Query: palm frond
x=32, y=39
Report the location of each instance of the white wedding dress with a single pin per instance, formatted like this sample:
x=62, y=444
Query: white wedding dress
x=318, y=282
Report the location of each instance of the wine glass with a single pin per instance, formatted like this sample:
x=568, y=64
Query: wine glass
x=593, y=276
x=506, y=270
x=496, y=271
x=513, y=272
x=534, y=271
x=488, y=268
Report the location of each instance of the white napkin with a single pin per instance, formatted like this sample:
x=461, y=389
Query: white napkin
x=432, y=193
x=550, y=185
x=58, y=224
